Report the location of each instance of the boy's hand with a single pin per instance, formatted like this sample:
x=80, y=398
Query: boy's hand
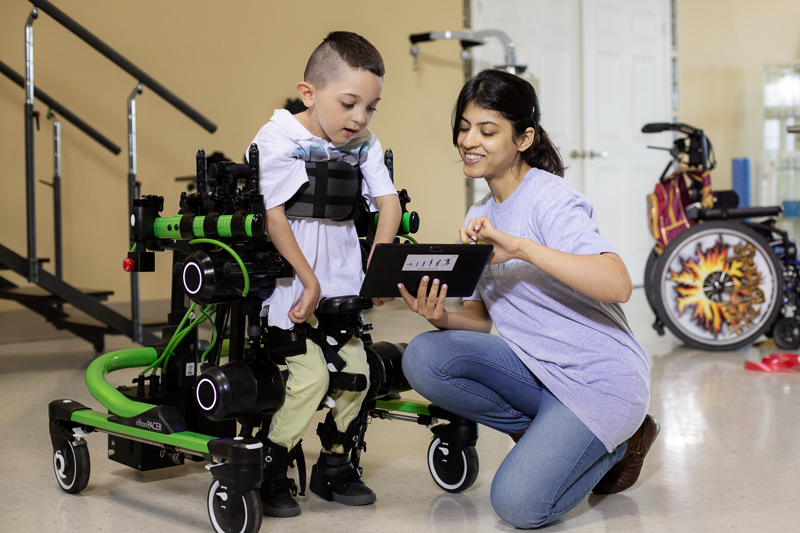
x=377, y=302
x=307, y=304
x=481, y=231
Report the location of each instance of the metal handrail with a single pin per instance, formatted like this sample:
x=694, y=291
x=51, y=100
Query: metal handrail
x=123, y=63
x=61, y=110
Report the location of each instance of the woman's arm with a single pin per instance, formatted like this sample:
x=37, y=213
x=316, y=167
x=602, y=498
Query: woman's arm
x=599, y=276
x=473, y=316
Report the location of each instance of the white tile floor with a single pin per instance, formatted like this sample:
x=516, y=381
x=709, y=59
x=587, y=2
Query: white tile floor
x=727, y=459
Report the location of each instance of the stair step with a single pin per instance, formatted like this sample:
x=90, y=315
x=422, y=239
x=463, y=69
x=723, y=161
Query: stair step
x=36, y=295
x=89, y=324
x=40, y=260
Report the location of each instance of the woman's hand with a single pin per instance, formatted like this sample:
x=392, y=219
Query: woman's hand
x=307, y=304
x=431, y=306
x=481, y=231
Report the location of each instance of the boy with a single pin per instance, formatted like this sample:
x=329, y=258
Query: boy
x=341, y=87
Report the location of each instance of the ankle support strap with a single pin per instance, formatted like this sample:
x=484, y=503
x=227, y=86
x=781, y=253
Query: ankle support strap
x=296, y=453
x=330, y=436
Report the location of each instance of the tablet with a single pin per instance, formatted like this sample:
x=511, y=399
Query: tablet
x=459, y=266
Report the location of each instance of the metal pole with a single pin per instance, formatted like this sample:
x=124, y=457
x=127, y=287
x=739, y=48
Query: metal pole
x=57, y=198
x=133, y=193
x=30, y=178
x=467, y=65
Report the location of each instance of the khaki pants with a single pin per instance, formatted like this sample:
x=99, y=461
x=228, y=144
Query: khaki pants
x=306, y=387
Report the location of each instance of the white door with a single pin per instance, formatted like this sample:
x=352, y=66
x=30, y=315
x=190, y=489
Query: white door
x=626, y=81
x=602, y=70
x=547, y=38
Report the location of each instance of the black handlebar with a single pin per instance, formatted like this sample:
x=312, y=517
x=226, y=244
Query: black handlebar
x=658, y=127
x=123, y=63
x=420, y=37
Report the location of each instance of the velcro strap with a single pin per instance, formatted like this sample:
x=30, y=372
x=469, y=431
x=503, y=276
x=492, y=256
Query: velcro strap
x=296, y=453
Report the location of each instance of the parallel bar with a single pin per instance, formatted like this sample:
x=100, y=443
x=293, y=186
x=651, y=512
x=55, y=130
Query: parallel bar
x=123, y=63
x=32, y=271
x=61, y=110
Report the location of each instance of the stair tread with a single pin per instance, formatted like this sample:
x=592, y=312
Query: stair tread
x=33, y=292
x=88, y=322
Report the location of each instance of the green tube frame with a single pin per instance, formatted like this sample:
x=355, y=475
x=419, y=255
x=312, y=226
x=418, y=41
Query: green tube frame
x=103, y=392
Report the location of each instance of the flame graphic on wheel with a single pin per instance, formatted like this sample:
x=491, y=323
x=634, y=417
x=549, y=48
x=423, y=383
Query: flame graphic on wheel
x=720, y=288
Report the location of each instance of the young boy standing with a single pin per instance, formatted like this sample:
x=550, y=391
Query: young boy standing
x=341, y=87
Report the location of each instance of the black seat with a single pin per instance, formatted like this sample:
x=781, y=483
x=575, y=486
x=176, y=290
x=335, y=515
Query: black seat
x=344, y=305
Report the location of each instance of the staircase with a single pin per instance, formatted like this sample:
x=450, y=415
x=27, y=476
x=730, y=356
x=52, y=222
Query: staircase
x=49, y=295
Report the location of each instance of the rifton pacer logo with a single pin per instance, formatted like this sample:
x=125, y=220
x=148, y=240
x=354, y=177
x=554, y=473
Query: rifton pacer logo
x=149, y=424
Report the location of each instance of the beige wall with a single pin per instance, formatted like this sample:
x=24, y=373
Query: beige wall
x=724, y=46
x=234, y=62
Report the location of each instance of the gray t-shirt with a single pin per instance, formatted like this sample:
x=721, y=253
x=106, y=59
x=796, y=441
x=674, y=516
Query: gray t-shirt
x=581, y=349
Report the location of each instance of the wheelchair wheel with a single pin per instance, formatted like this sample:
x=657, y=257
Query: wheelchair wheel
x=453, y=474
x=718, y=286
x=72, y=466
x=649, y=272
x=228, y=515
x=786, y=333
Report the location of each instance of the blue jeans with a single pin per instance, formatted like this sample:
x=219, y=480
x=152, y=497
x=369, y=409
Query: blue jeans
x=478, y=376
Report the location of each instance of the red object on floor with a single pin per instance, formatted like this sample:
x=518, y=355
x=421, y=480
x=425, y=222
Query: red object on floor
x=777, y=362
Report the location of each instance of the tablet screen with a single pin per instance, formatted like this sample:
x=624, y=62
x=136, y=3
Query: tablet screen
x=459, y=266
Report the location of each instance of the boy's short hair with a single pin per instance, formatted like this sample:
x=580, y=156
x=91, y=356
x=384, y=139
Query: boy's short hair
x=338, y=49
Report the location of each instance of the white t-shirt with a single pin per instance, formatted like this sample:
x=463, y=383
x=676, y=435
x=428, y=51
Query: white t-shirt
x=330, y=247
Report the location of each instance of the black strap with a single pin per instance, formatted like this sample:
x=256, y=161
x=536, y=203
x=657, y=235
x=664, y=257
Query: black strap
x=286, y=343
x=321, y=191
x=296, y=453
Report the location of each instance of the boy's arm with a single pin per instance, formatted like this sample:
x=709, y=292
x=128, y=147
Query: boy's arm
x=279, y=230
x=388, y=222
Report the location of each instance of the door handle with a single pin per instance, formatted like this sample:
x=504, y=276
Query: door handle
x=593, y=154
x=577, y=155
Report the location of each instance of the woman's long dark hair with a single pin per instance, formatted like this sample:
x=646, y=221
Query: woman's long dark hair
x=515, y=99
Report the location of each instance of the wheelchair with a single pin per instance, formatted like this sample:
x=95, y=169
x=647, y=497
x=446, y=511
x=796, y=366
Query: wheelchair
x=194, y=406
x=726, y=274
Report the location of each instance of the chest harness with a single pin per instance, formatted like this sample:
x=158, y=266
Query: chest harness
x=332, y=192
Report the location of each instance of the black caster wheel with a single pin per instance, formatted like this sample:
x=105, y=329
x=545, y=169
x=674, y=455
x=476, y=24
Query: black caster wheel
x=718, y=286
x=452, y=473
x=786, y=333
x=229, y=515
x=72, y=466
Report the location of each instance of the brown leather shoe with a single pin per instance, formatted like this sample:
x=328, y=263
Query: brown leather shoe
x=516, y=436
x=625, y=473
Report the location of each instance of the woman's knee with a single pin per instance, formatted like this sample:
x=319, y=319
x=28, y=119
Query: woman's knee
x=417, y=353
x=513, y=502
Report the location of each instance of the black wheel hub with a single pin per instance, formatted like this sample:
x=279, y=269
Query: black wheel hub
x=717, y=285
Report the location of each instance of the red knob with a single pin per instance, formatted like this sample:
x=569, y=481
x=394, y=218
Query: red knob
x=127, y=264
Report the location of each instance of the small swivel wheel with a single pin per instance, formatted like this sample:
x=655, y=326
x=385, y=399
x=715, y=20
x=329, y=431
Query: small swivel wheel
x=72, y=466
x=234, y=515
x=452, y=472
x=786, y=333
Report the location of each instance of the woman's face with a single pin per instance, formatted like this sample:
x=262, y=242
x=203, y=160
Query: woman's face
x=486, y=144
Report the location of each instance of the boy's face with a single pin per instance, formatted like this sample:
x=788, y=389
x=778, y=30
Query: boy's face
x=343, y=107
